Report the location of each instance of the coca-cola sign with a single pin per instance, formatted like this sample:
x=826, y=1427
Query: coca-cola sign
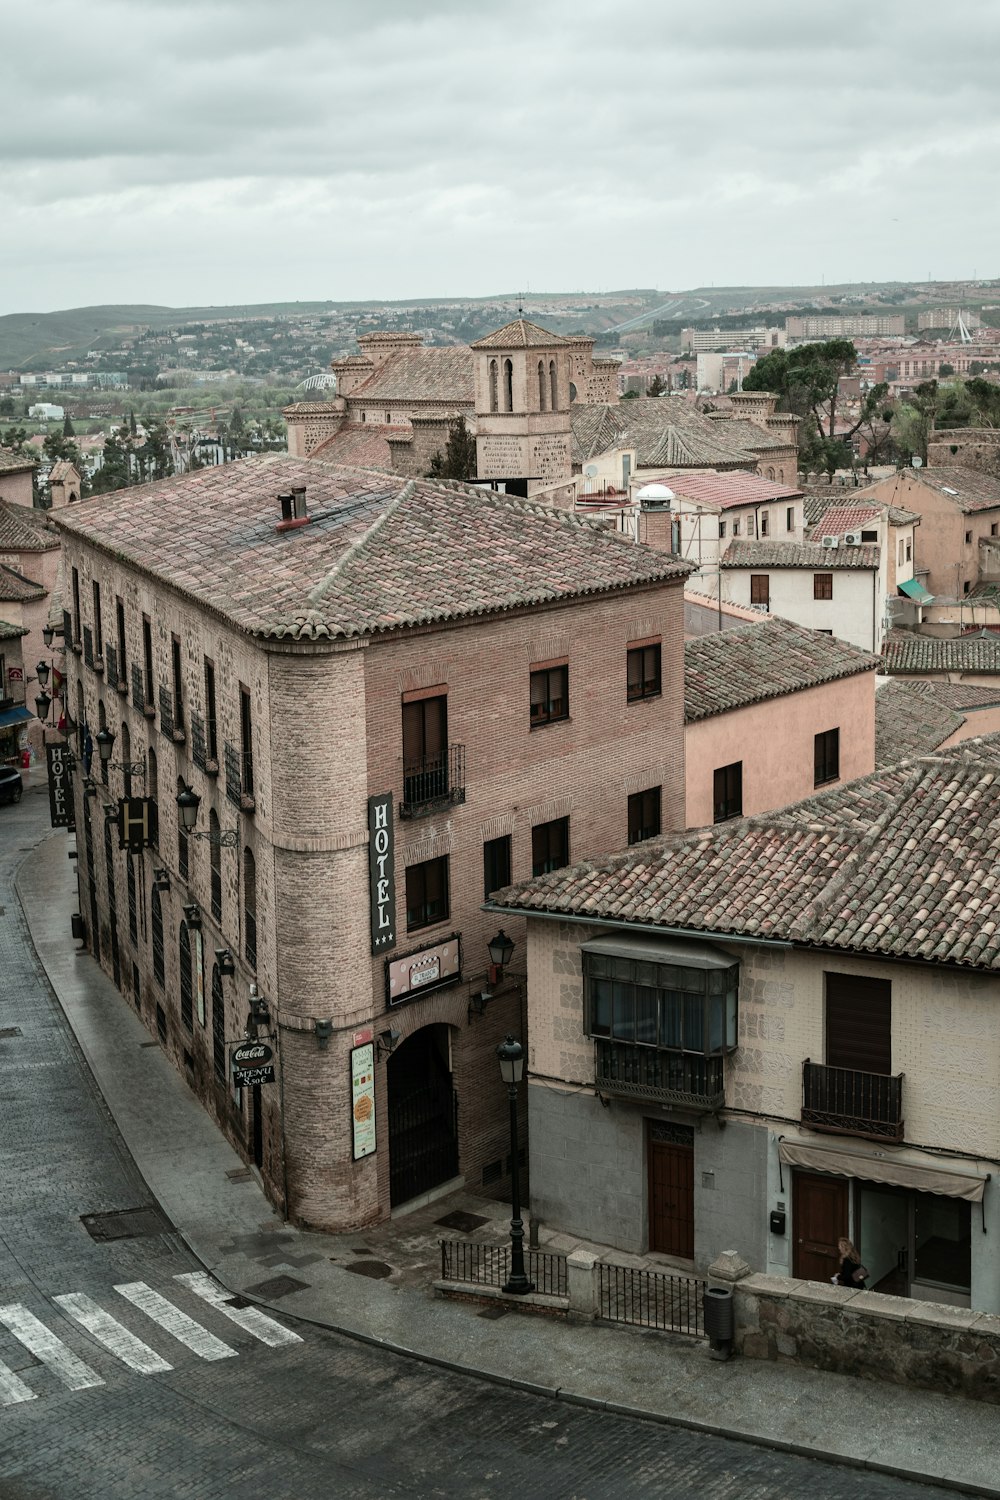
x=252, y=1062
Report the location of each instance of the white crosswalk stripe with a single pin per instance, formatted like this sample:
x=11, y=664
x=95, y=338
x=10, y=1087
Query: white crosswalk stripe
x=44, y=1345
x=175, y=1322
x=251, y=1319
x=115, y=1337
x=12, y=1388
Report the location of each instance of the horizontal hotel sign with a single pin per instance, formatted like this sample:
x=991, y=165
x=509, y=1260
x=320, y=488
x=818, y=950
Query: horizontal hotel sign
x=429, y=969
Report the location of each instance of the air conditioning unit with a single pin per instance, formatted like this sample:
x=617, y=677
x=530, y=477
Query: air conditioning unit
x=852, y=538
x=831, y=541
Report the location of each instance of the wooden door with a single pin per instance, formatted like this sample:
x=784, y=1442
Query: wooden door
x=671, y=1197
x=819, y=1220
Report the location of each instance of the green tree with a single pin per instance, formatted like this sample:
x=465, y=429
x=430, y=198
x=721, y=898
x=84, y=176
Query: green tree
x=57, y=447
x=914, y=421
x=459, y=458
x=946, y=369
x=806, y=380
x=68, y=427
x=7, y=407
x=15, y=438
x=115, y=471
x=657, y=386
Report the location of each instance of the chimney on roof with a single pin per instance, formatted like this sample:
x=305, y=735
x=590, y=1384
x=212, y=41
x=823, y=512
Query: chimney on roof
x=293, y=508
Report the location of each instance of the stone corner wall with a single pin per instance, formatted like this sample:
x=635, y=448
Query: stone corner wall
x=923, y=1344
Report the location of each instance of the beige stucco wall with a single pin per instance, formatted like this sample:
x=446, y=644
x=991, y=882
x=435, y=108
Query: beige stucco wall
x=939, y=541
x=17, y=487
x=853, y=614
x=945, y=1033
x=774, y=740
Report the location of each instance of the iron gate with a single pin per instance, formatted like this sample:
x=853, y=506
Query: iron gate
x=423, y=1141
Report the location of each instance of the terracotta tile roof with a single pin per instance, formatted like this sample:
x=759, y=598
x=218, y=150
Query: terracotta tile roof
x=733, y=668
x=910, y=722
x=960, y=695
x=522, y=334
x=969, y=489
x=362, y=445
x=15, y=588
x=817, y=507
x=664, y=431
x=903, y=864
x=311, y=409
x=837, y=519
x=729, y=490
x=743, y=433
x=15, y=463
x=420, y=374
x=380, y=553
x=9, y=632
x=23, y=529
x=62, y=470
x=750, y=554
x=904, y=652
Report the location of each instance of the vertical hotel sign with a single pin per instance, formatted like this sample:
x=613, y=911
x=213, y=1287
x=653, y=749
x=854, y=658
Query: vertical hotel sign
x=381, y=872
x=62, y=809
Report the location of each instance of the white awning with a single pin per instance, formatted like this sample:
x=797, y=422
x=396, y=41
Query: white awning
x=910, y=1169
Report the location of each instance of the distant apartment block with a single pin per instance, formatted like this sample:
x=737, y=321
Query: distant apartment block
x=854, y=325
x=947, y=317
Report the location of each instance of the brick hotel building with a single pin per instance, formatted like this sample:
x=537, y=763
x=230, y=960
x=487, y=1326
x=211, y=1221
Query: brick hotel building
x=313, y=649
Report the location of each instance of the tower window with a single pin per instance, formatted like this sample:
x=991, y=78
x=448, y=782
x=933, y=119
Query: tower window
x=508, y=385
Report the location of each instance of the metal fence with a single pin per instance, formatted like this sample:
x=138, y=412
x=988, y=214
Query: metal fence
x=480, y=1264
x=651, y=1299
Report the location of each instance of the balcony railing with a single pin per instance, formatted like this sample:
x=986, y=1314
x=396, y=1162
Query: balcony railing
x=433, y=780
x=673, y=1077
x=846, y=1101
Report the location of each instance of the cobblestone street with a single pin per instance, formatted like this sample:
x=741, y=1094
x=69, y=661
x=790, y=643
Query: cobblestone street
x=124, y=1372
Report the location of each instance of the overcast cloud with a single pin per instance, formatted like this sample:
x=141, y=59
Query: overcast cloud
x=225, y=151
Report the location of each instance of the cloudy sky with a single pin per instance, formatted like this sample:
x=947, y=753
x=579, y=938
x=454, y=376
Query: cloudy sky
x=226, y=151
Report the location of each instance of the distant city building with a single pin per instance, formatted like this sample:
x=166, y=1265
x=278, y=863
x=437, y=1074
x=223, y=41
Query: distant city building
x=850, y=325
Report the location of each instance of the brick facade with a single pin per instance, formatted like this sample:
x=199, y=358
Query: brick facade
x=326, y=735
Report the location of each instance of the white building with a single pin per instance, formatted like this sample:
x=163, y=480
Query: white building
x=833, y=588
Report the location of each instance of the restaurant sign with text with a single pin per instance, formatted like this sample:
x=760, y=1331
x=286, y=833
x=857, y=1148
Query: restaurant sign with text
x=252, y=1062
x=428, y=969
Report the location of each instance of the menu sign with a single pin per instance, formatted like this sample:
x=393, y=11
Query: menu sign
x=363, y=1099
x=252, y=1063
x=429, y=969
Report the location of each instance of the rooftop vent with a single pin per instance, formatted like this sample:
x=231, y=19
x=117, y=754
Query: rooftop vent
x=293, y=508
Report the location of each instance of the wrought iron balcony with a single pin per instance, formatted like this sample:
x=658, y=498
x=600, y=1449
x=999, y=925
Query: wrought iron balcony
x=432, y=781
x=845, y=1101
x=681, y=1078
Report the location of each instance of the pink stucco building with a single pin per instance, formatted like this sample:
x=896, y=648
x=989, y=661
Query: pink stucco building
x=773, y=713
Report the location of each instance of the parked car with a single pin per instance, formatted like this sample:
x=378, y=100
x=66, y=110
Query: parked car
x=11, y=784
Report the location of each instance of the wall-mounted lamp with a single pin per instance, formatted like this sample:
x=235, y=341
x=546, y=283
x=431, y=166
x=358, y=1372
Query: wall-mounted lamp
x=42, y=674
x=188, y=803
x=48, y=636
x=161, y=877
x=104, y=739
x=224, y=959
x=260, y=1014
x=500, y=949
x=387, y=1042
x=324, y=1031
x=42, y=705
x=89, y=788
x=192, y=916
x=111, y=813
x=478, y=1003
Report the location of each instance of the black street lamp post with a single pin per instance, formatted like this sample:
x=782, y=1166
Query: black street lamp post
x=510, y=1055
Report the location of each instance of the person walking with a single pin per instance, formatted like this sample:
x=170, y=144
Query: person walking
x=852, y=1272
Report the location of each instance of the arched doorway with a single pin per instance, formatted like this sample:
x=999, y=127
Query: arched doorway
x=423, y=1115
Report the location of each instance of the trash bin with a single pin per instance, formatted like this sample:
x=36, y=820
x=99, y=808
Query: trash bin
x=25, y=760
x=718, y=1314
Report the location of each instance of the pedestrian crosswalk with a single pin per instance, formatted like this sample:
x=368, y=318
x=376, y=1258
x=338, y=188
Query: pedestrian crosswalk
x=106, y=1331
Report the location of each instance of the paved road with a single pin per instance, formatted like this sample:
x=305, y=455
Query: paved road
x=124, y=1373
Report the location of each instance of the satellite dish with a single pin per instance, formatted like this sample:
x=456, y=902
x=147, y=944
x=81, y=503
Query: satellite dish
x=917, y=462
x=590, y=471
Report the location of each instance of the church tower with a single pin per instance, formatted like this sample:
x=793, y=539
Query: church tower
x=523, y=390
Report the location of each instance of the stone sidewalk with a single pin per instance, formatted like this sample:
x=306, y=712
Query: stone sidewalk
x=376, y=1285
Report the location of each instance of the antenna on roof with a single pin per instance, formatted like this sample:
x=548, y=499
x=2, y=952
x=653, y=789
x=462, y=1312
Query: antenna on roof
x=520, y=304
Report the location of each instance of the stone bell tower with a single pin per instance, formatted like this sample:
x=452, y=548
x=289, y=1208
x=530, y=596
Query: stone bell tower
x=523, y=376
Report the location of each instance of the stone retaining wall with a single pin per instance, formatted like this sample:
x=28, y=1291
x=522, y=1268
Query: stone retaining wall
x=925, y=1344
